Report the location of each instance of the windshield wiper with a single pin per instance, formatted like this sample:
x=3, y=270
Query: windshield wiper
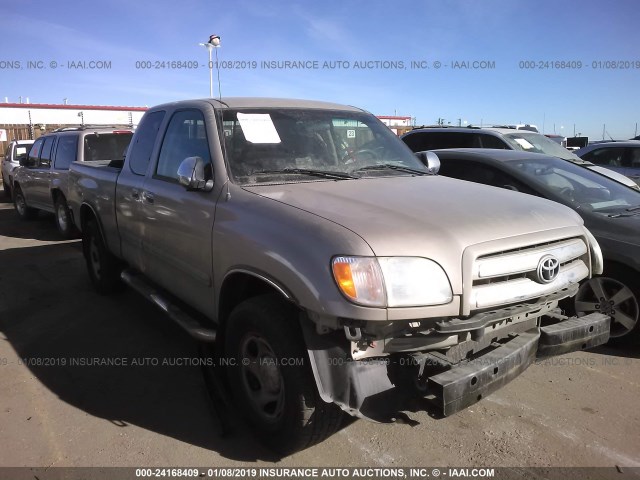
x=391, y=166
x=306, y=171
x=632, y=211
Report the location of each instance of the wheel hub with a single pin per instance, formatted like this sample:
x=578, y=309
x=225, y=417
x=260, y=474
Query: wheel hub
x=610, y=297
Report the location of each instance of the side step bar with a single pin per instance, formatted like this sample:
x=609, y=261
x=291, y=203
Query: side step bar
x=175, y=313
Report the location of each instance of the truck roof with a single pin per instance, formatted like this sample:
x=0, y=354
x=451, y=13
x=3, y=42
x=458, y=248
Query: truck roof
x=261, y=102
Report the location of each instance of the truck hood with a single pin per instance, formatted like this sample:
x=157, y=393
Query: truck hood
x=421, y=216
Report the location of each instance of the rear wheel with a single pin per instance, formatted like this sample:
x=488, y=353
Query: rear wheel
x=104, y=269
x=616, y=294
x=271, y=378
x=63, y=218
x=25, y=212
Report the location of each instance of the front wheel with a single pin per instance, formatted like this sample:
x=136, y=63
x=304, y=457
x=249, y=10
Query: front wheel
x=104, y=268
x=271, y=379
x=24, y=212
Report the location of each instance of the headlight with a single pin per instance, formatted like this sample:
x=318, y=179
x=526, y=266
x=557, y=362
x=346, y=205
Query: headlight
x=392, y=281
x=597, y=264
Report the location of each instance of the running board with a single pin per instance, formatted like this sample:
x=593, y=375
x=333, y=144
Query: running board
x=175, y=313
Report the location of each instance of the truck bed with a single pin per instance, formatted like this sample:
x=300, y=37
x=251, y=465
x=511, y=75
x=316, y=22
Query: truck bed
x=94, y=185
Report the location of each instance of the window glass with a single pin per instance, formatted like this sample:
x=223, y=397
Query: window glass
x=66, y=151
x=480, y=173
x=45, y=156
x=34, y=153
x=611, y=157
x=106, y=146
x=285, y=145
x=186, y=137
x=491, y=141
x=143, y=141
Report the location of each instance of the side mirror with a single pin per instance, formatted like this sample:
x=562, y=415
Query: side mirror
x=430, y=160
x=191, y=175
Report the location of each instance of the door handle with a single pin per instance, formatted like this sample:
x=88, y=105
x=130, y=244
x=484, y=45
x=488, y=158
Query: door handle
x=135, y=194
x=147, y=196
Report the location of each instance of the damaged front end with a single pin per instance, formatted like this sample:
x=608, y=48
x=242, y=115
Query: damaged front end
x=371, y=370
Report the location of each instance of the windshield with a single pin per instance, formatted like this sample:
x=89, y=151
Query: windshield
x=576, y=186
x=106, y=146
x=538, y=143
x=289, y=145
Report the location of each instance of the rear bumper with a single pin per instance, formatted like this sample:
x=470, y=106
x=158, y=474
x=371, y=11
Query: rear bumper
x=464, y=385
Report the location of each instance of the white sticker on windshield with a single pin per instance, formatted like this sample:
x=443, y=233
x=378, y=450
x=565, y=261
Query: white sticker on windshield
x=258, y=128
x=21, y=151
x=524, y=143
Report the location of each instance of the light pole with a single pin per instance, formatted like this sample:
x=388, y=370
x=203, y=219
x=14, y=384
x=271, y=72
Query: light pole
x=214, y=42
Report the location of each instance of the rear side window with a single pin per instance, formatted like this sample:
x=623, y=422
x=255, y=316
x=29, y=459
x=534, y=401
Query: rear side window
x=436, y=140
x=106, y=146
x=66, y=151
x=143, y=141
x=45, y=156
x=489, y=141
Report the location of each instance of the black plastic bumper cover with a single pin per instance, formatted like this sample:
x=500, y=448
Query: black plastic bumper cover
x=368, y=389
x=464, y=385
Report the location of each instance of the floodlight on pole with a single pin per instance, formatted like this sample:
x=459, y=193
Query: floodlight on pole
x=214, y=42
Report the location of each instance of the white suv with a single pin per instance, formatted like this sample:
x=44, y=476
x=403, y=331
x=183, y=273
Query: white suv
x=16, y=150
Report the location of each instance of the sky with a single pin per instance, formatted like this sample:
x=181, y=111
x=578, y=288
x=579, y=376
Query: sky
x=566, y=66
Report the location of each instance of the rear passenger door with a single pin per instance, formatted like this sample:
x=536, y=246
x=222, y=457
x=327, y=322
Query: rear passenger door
x=130, y=217
x=177, y=249
x=39, y=195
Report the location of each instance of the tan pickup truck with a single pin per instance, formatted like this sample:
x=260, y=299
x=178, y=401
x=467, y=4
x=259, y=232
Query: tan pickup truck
x=327, y=265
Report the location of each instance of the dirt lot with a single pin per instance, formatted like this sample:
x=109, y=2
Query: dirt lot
x=578, y=410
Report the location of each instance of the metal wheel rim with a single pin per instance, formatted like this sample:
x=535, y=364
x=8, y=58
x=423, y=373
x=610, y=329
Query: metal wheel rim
x=611, y=297
x=94, y=257
x=261, y=378
x=20, y=204
x=62, y=218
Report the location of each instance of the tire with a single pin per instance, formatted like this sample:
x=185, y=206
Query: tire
x=104, y=268
x=64, y=223
x=279, y=400
x=616, y=293
x=6, y=188
x=24, y=212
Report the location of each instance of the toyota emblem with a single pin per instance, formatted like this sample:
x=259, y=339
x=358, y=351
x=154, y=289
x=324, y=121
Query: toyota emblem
x=548, y=269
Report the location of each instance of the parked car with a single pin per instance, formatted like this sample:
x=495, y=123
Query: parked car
x=329, y=278
x=622, y=157
x=423, y=139
x=610, y=211
x=40, y=183
x=16, y=149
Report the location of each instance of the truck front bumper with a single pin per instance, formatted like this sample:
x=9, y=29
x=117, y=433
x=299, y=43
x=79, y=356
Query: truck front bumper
x=464, y=385
x=373, y=389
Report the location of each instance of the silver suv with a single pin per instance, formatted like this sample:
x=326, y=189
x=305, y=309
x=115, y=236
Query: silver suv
x=434, y=138
x=16, y=150
x=40, y=183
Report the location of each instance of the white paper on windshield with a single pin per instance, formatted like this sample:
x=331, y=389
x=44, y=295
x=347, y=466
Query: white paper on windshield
x=258, y=128
x=524, y=143
x=21, y=151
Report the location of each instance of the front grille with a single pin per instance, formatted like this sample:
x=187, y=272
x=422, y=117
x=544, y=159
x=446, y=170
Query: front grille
x=509, y=276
